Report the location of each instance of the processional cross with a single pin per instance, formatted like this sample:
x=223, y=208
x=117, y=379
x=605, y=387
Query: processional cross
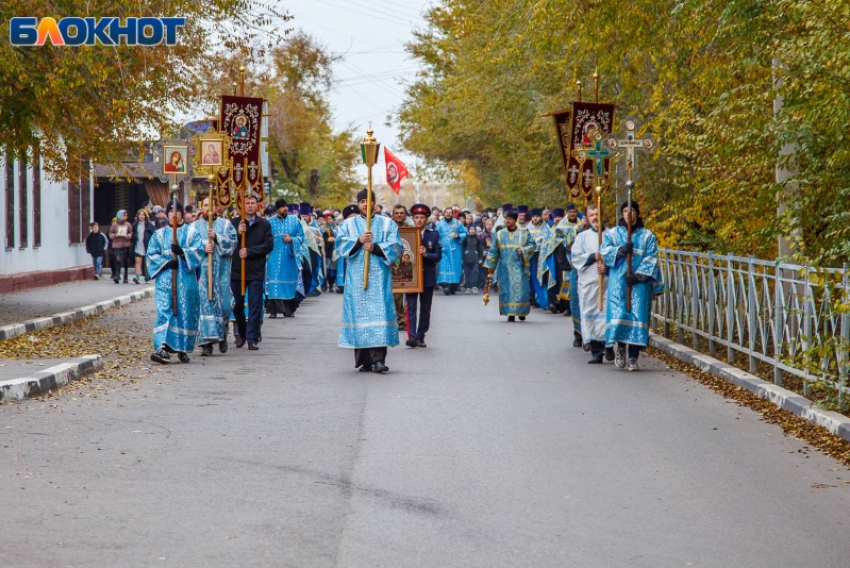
x=631, y=144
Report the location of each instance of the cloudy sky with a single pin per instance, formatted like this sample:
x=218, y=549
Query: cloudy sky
x=370, y=35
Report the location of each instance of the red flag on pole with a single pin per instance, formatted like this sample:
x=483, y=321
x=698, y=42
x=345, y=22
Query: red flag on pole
x=396, y=170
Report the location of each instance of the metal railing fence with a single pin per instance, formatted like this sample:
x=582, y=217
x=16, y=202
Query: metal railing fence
x=794, y=318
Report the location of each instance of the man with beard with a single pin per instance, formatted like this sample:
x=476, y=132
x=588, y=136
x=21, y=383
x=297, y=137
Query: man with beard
x=284, y=263
x=215, y=313
x=400, y=218
x=509, y=257
x=369, y=323
x=431, y=251
x=591, y=269
x=175, y=331
x=452, y=234
x=629, y=328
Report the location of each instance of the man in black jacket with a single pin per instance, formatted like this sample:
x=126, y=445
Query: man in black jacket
x=258, y=243
x=431, y=252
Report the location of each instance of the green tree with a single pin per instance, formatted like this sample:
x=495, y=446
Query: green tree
x=700, y=75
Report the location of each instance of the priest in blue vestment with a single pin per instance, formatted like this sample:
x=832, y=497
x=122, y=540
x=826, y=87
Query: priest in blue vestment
x=630, y=328
x=540, y=232
x=509, y=256
x=284, y=263
x=452, y=234
x=215, y=313
x=175, y=331
x=347, y=212
x=369, y=320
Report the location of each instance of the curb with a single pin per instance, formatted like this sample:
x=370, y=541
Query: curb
x=14, y=330
x=783, y=398
x=50, y=379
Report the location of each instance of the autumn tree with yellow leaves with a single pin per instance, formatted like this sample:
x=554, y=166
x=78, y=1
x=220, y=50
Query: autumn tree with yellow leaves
x=702, y=76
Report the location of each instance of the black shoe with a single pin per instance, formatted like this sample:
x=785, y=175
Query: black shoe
x=511, y=319
x=253, y=347
x=206, y=350
x=521, y=318
x=445, y=291
x=568, y=313
x=577, y=342
x=609, y=354
x=183, y=357
x=595, y=360
x=366, y=369
x=379, y=368
x=240, y=342
x=222, y=346
x=115, y=280
x=420, y=343
x=553, y=309
x=160, y=355
x=272, y=316
x=411, y=342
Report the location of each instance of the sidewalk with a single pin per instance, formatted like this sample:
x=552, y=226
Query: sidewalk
x=40, y=302
x=28, y=311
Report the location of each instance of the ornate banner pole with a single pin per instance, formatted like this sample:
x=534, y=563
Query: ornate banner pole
x=369, y=150
x=174, y=271
x=211, y=215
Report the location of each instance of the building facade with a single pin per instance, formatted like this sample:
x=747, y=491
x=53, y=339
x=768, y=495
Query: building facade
x=44, y=224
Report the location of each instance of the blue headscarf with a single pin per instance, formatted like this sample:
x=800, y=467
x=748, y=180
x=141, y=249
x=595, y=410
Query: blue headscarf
x=120, y=214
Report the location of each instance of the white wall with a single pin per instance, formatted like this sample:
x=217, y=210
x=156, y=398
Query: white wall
x=55, y=252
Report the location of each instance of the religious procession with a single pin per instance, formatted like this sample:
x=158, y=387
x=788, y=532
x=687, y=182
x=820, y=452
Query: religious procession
x=268, y=260
x=457, y=283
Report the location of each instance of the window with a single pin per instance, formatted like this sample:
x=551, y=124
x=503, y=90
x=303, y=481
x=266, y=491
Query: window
x=10, y=203
x=23, y=212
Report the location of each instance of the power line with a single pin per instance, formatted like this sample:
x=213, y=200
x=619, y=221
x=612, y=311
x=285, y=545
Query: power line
x=369, y=12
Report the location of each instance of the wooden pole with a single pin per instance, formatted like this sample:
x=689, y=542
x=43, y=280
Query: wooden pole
x=210, y=220
x=243, y=191
x=174, y=271
x=629, y=186
x=368, y=224
x=599, y=233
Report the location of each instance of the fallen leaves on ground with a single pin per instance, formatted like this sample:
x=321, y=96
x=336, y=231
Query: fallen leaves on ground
x=791, y=424
x=122, y=341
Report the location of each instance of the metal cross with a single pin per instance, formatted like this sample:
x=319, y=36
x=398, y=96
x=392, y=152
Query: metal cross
x=573, y=173
x=631, y=143
x=598, y=153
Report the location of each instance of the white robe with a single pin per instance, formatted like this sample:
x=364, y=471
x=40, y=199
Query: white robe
x=593, y=319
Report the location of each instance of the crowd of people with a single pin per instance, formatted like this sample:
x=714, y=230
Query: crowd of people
x=560, y=261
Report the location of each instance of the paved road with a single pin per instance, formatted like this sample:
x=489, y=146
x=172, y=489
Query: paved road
x=496, y=446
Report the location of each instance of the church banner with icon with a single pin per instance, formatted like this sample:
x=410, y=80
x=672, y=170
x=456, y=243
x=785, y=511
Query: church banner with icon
x=587, y=120
x=241, y=119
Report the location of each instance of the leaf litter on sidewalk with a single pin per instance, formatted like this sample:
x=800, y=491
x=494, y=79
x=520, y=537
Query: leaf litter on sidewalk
x=122, y=337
